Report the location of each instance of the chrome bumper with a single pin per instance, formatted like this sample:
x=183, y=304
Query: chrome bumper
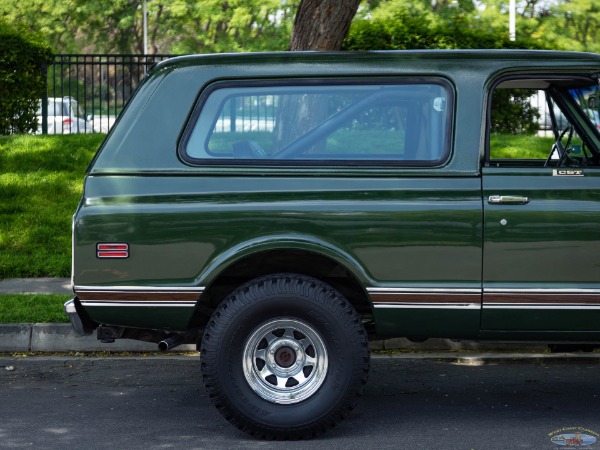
x=76, y=320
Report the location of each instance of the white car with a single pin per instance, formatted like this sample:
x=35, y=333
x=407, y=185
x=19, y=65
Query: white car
x=65, y=116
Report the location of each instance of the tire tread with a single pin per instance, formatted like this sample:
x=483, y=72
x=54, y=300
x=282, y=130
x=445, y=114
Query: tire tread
x=254, y=291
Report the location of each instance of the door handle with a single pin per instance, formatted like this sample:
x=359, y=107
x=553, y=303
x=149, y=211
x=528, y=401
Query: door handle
x=507, y=200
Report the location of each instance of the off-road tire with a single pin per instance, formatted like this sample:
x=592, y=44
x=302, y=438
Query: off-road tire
x=311, y=317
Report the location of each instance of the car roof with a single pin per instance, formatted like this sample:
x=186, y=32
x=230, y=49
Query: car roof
x=61, y=99
x=451, y=57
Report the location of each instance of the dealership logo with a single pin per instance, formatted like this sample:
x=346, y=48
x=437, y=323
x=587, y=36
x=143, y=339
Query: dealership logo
x=574, y=437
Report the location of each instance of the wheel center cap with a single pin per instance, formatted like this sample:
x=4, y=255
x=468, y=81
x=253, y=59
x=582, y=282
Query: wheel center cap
x=285, y=357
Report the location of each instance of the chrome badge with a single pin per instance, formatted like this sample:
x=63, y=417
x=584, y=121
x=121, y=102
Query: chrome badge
x=567, y=173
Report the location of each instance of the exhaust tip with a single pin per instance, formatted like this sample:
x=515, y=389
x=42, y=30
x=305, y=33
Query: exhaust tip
x=170, y=342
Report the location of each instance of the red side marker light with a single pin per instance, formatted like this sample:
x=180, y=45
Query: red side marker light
x=112, y=250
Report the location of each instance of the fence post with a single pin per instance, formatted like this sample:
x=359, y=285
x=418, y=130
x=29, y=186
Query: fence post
x=45, y=101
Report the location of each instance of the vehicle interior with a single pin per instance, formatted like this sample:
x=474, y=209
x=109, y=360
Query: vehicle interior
x=545, y=122
x=405, y=122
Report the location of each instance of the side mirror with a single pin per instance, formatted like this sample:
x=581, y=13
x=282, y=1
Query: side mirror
x=593, y=102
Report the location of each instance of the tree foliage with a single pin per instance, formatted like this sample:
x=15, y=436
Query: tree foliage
x=551, y=24
x=406, y=30
x=555, y=24
x=174, y=26
x=23, y=56
x=231, y=26
x=513, y=113
x=572, y=25
x=56, y=20
x=204, y=26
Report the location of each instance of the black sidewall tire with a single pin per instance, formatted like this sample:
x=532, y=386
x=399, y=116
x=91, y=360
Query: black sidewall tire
x=329, y=315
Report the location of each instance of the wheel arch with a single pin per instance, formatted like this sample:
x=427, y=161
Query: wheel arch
x=253, y=260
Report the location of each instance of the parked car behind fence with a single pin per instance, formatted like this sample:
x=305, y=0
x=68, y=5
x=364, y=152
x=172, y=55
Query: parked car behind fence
x=65, y=116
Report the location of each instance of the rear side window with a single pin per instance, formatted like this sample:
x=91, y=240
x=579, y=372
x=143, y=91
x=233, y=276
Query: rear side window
x=55, y=108
x=338, y=123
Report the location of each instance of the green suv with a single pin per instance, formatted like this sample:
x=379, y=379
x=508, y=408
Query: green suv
x=282, y=209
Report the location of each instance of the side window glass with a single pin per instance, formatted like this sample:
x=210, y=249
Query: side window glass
x=78, y=110
x=53, y=108
x=363, y=123
x=528, y=127
x=588, y=99
x=521, y=124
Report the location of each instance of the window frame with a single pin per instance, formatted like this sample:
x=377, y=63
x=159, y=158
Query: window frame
x=559, y=99
x=318, y=82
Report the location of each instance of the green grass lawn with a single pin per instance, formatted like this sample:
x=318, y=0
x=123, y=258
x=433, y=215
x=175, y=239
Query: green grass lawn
x=524, y=146
x=40, y=183
x=520, y=146
x=30, y=308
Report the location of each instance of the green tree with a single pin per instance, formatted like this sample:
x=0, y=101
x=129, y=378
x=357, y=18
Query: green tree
x=23, y=57
x=413, y=26
x=559, y=24
x=573, y=25
x=56, y=20
x=204, y=26
x=555, y=24
x=513, y=113
x=174, y=26
x=230, y=26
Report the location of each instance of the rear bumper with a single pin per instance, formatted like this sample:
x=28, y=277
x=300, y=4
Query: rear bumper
x=82, y=325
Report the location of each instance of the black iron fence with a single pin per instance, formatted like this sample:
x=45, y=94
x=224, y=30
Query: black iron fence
x=86, y=93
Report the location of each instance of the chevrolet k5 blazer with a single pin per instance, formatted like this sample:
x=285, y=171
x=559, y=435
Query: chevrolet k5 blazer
x=281, y=209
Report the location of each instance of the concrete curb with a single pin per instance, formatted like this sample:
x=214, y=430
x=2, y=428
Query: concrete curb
x=15, y=337
x=60, y=337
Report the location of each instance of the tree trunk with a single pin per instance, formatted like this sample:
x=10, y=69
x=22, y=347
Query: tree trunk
x=322, y=24
x=319, y=25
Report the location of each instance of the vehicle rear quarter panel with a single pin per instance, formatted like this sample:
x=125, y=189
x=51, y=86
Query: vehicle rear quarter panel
x=389, y=226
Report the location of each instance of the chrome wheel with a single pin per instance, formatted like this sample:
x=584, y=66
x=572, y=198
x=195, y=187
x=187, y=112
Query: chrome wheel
x=284, y=356
x=285, y=361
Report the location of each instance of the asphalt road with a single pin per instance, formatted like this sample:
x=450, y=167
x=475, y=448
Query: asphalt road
x=159, y=403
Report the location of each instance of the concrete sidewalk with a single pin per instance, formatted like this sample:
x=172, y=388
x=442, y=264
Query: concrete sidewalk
x=36, y=286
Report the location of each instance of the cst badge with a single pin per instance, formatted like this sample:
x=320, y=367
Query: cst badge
x=567, y=173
